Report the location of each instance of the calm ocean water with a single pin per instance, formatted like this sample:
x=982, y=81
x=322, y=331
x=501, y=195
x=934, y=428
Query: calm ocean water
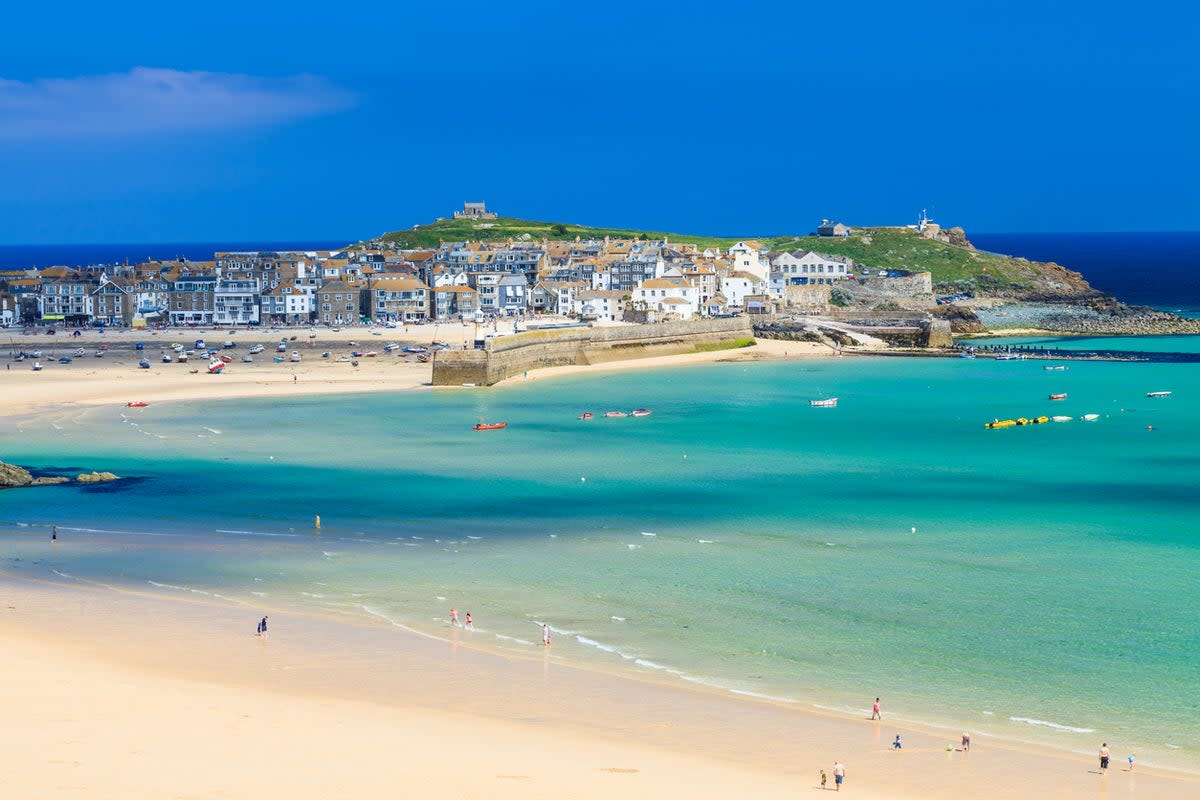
x=22, y=256
x=1154, y=269
x=1034, y=583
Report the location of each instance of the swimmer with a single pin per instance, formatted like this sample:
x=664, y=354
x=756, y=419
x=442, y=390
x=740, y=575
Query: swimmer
x=469, y=623
x=454, y=616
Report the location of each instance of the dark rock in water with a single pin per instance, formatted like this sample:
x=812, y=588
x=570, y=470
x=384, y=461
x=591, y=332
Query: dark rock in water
x=12, y=475
x=95, y=477
x=49, y=480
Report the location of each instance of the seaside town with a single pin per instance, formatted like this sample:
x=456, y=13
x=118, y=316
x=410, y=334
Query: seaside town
x=605, y=280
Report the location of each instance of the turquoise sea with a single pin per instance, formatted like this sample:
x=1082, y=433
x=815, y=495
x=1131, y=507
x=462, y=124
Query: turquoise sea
x=1033, y=583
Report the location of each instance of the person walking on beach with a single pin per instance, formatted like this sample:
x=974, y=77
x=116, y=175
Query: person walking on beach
x=1130, y=759
x=875, y=710
x=454, y=616
x=839, y=775
x=823, y=780
x=545, y=634
x=966, y=742
x=262, y=627
x=1104, y=757
x=896, y=745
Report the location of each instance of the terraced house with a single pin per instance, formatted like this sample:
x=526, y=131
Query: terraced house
x=338, y=303
x=398, y=300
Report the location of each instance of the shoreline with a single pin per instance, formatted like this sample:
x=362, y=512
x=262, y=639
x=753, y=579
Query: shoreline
x=570, y=730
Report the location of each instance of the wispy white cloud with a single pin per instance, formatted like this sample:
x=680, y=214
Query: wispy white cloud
x=151, y=100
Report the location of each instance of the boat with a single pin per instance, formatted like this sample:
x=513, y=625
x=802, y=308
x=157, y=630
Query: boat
x=1010, y=357
x=390, y=346
x=615, y=414
x=408, y=348
x=65, y=360
x=215, y=366
x=295, y=356
x=1000, y=423
x=99, y=354
x=1060, y=396
x=1054, y=368
x=181, y=358
x=1158, y=394
x=144, y=364
x=966, y=355
x=369, y=354
x=80, y=352
x=1061, y=419
x=641, y=412
x=226, y=359
x=248, y=359
x=830, y=402
x=137, y=404
x=258, y=348
x=1042, y=420
x=165, y=358
x=1091, y=417
x=586, y=415
x=37, y=366
x=489, y=426
x=228, y=344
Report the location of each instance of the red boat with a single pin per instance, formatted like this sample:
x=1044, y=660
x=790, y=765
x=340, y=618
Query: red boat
x=586, y=415
x=489, y=426
x=1062, y=396
x=641, y=412
x=615, y=414
x=137, y=404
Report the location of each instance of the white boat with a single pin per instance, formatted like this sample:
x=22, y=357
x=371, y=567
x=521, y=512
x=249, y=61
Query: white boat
x=1091, y=417
x=295, y=356
x=827, y=403
x=258, y=348
x=1054, y=368
x=1158, y=394
x=37, y=366
x=215, y=366
x=1061, y=419
x=1010, y=357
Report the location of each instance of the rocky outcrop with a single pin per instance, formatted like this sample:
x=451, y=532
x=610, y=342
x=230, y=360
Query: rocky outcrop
x=958, y=236
x=962, y=320
x=95, y=477
x=12, y=475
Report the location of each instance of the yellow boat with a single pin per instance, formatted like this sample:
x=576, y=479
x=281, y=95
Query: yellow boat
x=1000, y=423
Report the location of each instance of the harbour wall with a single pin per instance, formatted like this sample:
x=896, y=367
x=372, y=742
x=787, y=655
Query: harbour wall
x=506, y=356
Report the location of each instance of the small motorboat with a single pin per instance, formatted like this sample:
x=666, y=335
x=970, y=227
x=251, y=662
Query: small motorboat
x=326, y=354
x=615, y=414
x=226, y=359
x=215, y=366
x=1059, y=396
x=390, y=346
x=144, y=363
x=65, y=360
x=295, y=356
x=827, y=403
x=258, y=348
x=489, y=426
x=79, y=352
x=966, y=355
x=99, y=354
x=228, y=344
x=356, y=353
x=1091, y=417
x=1010, y=357
x=1054, y=368
x=370, y=354
x=165, y=358
x=181, y=358
x=1000, y=423
x=37, y=366
x=1158, y=394
x=248, y=359
x=277, y=359
x=641, y=412
x=586, y=415
x=1061, y=419
x=136, y=404
x=410, y=348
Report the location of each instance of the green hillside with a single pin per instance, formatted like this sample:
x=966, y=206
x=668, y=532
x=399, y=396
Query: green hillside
x=952, y=266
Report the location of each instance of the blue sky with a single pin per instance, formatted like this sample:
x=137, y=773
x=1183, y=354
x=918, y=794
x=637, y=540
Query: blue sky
x=232, y=121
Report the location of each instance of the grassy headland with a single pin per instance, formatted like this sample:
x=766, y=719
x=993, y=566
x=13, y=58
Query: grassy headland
x=954, y=267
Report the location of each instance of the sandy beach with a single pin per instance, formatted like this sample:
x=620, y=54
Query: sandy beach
x=115, y=694
x=115, y=378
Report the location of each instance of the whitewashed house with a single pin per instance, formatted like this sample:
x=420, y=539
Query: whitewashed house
x=604, y=305
x=738, y=285
x=803, y=267
x=683, y=297
x=746, y=257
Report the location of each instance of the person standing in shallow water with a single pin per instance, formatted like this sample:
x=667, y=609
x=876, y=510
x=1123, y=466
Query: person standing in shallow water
x=1104, y=757
x=54, y=533
x=875, y=710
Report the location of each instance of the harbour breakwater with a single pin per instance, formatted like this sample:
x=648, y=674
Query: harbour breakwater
x=506, y=356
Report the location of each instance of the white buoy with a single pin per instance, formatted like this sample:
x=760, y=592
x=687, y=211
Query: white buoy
x=914, y=530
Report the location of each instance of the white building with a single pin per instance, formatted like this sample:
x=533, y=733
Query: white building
x=605, y=305
x=746, y=258
x=738, y=285
x=669, y=296
x=236, y=301
x=805, y=266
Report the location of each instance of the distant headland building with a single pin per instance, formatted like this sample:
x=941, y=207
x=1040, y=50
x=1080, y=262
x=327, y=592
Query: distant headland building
x=475, y=211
